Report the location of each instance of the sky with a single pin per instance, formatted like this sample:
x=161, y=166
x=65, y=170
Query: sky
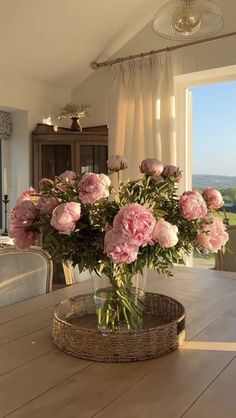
x=214, y=129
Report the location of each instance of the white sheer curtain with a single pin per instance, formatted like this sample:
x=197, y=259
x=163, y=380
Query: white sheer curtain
x=140, y=111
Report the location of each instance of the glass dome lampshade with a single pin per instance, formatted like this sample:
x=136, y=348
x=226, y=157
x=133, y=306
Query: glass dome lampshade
x=188, y=20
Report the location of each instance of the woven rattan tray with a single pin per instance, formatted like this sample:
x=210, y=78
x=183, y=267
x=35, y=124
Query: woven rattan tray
x=74, y=331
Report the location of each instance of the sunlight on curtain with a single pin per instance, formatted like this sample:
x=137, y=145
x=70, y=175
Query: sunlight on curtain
x=141, y=111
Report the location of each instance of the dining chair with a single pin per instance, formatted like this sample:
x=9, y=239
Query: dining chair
x=5, y=240
x=24, y=274
x=226, y=260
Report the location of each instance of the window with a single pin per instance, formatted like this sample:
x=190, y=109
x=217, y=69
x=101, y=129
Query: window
x=206, y=130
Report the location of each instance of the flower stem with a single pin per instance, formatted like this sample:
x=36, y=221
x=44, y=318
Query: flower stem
x=118, y=176
x=121, y=310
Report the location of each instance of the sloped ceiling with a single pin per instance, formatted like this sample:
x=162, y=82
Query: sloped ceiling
x=54, y=41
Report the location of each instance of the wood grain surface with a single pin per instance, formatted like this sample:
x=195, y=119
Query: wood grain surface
x=198, y=381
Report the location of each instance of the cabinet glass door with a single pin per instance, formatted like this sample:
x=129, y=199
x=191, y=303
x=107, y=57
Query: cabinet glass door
x=100, y=158
x=55, y=160
x=93, y=158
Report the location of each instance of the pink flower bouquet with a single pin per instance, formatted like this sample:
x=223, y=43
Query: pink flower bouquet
x=81, y=218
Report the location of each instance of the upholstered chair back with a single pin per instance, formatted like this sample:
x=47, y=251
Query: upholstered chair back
x=24, y=274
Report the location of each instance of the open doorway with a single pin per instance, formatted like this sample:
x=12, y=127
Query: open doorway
x=206, y=135
x=214, y=141
x=214, y=147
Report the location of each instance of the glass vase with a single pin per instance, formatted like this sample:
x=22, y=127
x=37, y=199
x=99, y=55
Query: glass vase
x=119, y=304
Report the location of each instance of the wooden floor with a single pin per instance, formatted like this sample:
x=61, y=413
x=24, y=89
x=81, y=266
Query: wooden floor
x=198, y=381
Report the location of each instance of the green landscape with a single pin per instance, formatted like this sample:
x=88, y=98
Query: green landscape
x=201, y=181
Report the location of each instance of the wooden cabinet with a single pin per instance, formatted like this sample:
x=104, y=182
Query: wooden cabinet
x=56, y=152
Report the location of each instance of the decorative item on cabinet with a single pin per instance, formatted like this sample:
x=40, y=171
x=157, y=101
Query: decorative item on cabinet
x=57, y=151
x=75, y=112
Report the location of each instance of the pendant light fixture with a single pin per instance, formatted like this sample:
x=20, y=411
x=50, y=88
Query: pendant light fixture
x=184, y=20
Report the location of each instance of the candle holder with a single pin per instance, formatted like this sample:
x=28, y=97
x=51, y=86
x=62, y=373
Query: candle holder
x=5, y=201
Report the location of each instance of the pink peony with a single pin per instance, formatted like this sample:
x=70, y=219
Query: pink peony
x=23, y=237
x=68, y=176
x=135, y=222
x=29, y=194
x=119, y=249
x=24, y=213
x=47, y=204
x=151, y=166
x=213, y=236
x=22, y=218
x=165, y=234
x=116, y=163
x=64, y=217
x=192, y=205
x=93, y=187
x=45, y=184
x=171, y=171
x=63, y=187
x=213, y=198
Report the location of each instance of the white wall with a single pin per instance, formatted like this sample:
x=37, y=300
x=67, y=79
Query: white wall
x=29, y=102
x=37, y=101
x=93, y=91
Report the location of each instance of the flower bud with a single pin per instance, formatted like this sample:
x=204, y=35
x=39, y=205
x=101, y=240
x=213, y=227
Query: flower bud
x=117, y=163
x=213, y=198
x=152, y=167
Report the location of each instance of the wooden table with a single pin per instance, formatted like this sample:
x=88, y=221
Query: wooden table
x=39, y=381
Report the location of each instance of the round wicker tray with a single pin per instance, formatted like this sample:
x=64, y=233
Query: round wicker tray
x=74, y=331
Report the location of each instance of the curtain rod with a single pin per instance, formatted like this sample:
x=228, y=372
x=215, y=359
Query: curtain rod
x=97, y=65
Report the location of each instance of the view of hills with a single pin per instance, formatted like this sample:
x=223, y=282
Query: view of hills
x=201, y=181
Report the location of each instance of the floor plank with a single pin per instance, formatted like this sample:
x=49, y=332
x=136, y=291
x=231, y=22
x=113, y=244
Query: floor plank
x=31, y=380
x=168, y=392
x=219, y=399
x=163, y=387
x=90, y=390
x=25, y=325
x=25, y=349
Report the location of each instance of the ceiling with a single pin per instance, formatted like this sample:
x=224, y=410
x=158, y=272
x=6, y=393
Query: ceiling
x=54, y=41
